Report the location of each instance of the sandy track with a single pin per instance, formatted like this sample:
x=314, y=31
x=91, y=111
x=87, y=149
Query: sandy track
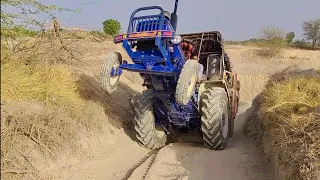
x=193, y=161
x=113, y=157
x=187, y=159
x=113, y=165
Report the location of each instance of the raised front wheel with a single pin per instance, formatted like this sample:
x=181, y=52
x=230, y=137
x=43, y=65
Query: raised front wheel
x=109, y=79
x=186, y=82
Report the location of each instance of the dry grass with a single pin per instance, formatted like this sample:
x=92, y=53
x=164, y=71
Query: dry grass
x=270, y=49
x=245, y=60
x=90, y=36
x=41, y=108
x=286, y=121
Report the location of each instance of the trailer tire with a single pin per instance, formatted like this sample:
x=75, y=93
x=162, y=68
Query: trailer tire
x=232, y=115
x=215, y=118
x=186, y=82
x=148, y=135
x=112, y=60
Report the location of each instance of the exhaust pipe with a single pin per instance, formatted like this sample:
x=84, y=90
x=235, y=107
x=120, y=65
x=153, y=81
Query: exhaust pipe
x=174, y=16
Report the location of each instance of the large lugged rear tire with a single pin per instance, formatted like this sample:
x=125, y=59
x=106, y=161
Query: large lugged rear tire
x=109, y=83
x=186, y=82
x=148, y=135
x=215, y=118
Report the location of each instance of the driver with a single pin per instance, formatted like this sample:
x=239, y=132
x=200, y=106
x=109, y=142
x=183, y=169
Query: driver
x=190, y=53
x=167, y=15
x=229, y=65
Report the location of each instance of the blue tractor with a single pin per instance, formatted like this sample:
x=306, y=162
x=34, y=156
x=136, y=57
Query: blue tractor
x=173, y=99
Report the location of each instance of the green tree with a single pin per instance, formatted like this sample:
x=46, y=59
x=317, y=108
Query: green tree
x=312, y=31
x=111, y=27
x=289, y=37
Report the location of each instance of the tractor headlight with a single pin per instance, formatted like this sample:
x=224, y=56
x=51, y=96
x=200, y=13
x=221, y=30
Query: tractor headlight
x=176, y=40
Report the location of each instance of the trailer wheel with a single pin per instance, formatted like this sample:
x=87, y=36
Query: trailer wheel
x=148, y=135
x=234, y=105
x=233, y=112
x=215, y=118
x=109, y=83
x=186, y=82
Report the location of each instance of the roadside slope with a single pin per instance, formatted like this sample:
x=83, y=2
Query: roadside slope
x=100, y=153
x=284, y=121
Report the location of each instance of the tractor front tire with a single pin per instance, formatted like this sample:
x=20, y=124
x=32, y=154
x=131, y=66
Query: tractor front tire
x=215, y=118
x=186, y=82
x=148, y=135
x=109, y=83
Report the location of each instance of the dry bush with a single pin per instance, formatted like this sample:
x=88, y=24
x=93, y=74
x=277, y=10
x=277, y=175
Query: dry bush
x=49, y=48
x=271, y=48
x=32, y=77
x=41, y=108
x=286, y=121
x=28, y=125
x=273, y=42
x=90, y=36
x=40, y=49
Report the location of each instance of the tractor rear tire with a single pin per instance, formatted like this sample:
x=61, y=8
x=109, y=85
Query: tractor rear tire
x=215, y=118
x=148, y=135
x=186, y=82
x=109, y=83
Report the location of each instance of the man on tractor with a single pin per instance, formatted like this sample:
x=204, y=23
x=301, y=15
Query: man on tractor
x=190, y=53
x=167, y=15
x=228, y=62
x=188, y=50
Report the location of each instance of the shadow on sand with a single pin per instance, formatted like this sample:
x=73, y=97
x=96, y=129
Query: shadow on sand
x=118, y=106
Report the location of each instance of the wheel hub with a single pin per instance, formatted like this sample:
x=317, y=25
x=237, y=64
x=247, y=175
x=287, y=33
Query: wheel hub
x=114, y=79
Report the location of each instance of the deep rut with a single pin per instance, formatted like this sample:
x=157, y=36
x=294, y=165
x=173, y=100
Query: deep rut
x=144, y=165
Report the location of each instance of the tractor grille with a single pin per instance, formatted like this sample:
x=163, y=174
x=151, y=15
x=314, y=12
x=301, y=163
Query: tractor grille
x=146, y=23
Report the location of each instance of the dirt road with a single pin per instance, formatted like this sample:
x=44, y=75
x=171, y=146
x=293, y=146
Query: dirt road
x=192, y=161
x=187, y=159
